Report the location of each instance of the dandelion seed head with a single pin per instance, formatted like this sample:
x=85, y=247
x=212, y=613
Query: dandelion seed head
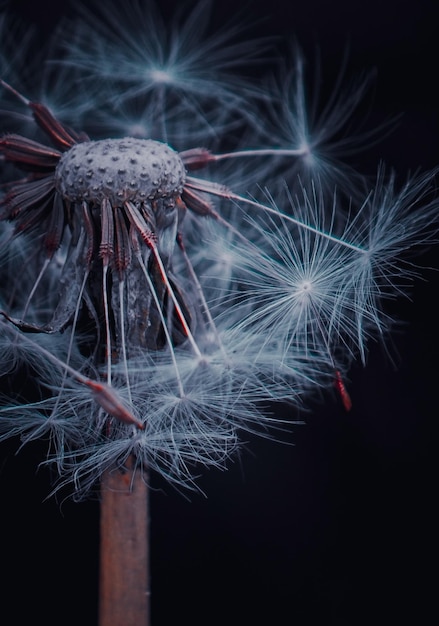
x=119, y=170
x=161, y=338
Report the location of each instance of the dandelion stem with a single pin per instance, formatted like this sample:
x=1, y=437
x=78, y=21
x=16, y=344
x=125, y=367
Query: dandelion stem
x=124, y=585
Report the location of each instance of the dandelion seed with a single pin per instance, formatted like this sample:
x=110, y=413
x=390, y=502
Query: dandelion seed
x=166, y=65
x=320, y=134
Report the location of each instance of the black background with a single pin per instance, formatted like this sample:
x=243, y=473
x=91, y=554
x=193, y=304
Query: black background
x=339, y=529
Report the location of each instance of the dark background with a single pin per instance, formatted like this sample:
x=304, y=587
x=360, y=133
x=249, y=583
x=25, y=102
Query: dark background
x=339, y=529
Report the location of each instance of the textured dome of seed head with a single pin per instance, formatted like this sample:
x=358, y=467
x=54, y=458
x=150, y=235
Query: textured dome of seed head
x=119, y=170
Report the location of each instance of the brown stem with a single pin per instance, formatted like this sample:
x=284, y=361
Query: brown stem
x=124, y=595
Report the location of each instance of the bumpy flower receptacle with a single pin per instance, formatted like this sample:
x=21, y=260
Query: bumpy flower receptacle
x=119, y=170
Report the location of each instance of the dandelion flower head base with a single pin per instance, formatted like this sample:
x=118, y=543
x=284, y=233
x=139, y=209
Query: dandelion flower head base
x=119, y=170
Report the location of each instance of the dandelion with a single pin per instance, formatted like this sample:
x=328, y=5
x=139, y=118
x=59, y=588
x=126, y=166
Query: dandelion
x=168, y=293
